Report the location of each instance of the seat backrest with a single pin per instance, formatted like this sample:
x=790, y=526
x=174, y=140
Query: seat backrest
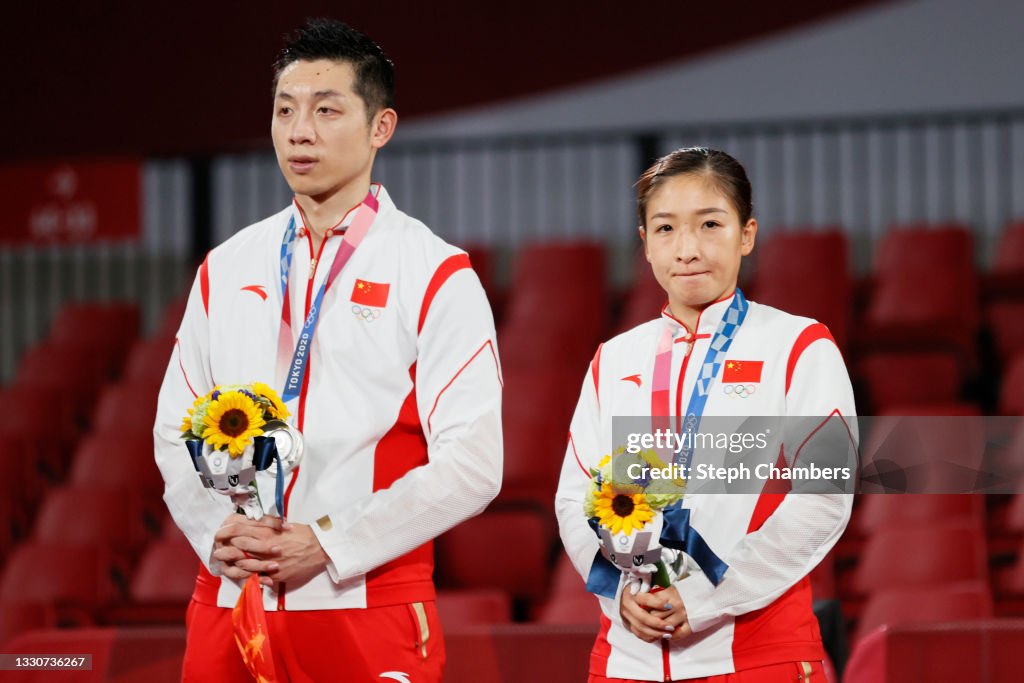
x=898, y=556
x=954, y=651
x=88, y=515
x=880, y=511
x=502, y=549
x=480, y=607
x=926, y=605
x=55, y=573
x=807, y=273
x=1011, y=393
x=1010, y=254
x=166, y=572
x=117, y=459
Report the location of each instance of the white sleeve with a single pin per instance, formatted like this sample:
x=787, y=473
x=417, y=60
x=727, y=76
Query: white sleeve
x=196, y=510
x=458, y=396
x=585, y=449
x=805, y=526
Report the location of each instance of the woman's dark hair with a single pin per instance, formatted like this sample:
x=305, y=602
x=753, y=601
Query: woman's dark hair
x=721, y=169
x=333, y=40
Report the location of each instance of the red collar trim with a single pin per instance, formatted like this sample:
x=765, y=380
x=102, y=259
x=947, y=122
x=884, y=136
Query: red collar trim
x=339, y=227
x=690, y=335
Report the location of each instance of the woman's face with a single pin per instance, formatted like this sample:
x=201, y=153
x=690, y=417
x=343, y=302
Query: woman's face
x=694, y=241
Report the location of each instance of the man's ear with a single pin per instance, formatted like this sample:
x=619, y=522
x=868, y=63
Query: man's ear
x=383, y=127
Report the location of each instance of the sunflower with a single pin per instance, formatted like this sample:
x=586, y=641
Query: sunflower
x=622, y=511
x=277, y=408
x=232, y=420
x=186, y=422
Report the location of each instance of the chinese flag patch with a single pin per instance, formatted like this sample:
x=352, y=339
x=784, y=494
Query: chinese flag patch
x=370, y=293
x=742, y=371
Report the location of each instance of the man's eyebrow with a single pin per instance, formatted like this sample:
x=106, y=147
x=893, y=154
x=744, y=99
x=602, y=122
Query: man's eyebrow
x=663, y=214
x=319, y=94
x=710, y=209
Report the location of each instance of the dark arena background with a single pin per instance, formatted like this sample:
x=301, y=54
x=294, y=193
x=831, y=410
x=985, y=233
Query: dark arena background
x=885, y=145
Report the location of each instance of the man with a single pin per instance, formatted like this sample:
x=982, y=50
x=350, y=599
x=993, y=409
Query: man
x=398, y=399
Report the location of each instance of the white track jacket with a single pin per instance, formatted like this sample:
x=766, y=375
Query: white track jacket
x=760, y=612
x=401, y=413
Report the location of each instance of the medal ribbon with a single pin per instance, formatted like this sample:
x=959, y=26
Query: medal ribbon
x=661, y=413
x=365, y=215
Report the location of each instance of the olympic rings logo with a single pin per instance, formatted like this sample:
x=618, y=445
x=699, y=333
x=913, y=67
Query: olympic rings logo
x=741, y=390
x=365, y=313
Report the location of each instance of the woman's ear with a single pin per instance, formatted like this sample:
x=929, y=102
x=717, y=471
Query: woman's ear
x=748, y=236
x=643, y=239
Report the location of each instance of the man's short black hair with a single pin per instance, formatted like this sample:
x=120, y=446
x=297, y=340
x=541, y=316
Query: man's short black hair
x=331, y=39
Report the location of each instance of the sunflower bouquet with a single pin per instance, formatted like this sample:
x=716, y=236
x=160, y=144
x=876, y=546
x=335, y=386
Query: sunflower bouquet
x=235, y=431
x=626, y=514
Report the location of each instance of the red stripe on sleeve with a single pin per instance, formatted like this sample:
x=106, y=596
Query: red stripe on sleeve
x=483, y=346
x=181, y=364
x=204, y=284
x=448, y=267
x=811, y=334
x=595, y=371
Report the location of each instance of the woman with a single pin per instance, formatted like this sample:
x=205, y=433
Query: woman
x=754, y=621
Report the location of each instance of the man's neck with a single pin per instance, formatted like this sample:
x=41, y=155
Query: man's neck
x=322, y=214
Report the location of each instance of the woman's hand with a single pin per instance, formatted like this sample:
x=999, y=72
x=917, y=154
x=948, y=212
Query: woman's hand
x=655, y=616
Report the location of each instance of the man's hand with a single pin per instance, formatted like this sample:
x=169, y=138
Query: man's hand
x=246, y=546
x=655, y=616
x=300, y=556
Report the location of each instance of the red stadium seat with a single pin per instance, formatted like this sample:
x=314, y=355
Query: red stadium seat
x=535, y=430
x=1006, y=322
x=878, y=512
x=166, y=573
x=905, y=378
x=1010, y=253
x=119, y=655
x=84, y=515
x=503, y=549
x=117, y=459
x=1011, y=395
x=926, y=605
x=58, y=573
x=44, y=425
x=823, y=578
x=968, y=651
x=536, y=332
x=806, y=272
x=20, y=617
x=926, y=294
x=459, y=608
x=147, y=360
x=526, y=653
x=645, y=297
x=127, y=406
x=105, y=330
x=922, y=453
x=568, y=601
x=898, y=557
x=170, y=318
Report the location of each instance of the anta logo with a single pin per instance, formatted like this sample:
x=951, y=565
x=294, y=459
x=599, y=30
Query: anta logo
x=635, y=379
x=258, y=290
x=395, y=676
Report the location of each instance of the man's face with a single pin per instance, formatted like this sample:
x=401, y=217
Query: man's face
x=321, y=133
